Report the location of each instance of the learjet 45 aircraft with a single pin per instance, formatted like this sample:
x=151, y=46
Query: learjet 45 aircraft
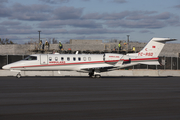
x=93, y=64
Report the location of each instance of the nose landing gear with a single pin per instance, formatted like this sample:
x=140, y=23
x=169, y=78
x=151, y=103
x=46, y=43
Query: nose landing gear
x=18, y=75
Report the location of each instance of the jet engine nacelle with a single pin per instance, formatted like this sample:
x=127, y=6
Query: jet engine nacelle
x=112, y=58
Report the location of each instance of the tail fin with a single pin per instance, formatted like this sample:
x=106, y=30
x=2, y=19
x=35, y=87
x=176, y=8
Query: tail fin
x=154, y=47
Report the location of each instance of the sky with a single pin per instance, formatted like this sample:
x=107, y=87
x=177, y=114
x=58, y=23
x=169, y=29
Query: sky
x=20, y=20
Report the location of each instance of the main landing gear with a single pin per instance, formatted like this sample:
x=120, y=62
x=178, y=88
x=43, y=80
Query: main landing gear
x=95, y=74
x=18, y=75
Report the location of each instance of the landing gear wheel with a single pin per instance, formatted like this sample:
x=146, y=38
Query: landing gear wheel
x=97, y=76
x=18, y=75
x=94, y=75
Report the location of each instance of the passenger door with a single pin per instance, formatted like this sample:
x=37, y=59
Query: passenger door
x=44, y=59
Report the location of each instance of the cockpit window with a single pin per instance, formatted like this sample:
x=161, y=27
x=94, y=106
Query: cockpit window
x=31, y=58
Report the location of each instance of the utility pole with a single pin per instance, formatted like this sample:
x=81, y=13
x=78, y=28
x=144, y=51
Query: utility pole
x=39, y=36
x=128, y=41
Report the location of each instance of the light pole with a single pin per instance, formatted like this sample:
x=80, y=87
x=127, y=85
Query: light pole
x=39, y=36
x=128, y=41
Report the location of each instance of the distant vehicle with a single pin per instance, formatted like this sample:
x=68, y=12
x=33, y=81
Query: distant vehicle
x=93, y=64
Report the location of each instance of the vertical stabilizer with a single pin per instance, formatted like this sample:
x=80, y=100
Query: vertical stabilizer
x=154, y=47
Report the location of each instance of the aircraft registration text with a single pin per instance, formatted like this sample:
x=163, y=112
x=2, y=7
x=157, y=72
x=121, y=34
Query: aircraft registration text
x=145, y=54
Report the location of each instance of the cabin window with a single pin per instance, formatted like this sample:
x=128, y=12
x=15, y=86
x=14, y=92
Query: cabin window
x=50, y=58
x=79, y=58
x=74, y=58
x=56, y=58
x=62, y=58
x=84, y=58
x=89, y=58
x=68, y=59
x=31, y=58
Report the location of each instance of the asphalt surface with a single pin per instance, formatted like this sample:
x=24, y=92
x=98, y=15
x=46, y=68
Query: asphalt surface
x=82, y=98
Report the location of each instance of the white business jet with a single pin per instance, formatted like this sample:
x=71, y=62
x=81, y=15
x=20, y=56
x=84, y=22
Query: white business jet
x=93, y=64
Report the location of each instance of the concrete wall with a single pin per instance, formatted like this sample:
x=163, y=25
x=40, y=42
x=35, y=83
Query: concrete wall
x=170, y=49
x=120, y=73
x=13, y=49
x=16, y=49
x=81, y=47
x=85, y=42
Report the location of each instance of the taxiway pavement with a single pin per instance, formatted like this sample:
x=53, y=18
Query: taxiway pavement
x=83, y=98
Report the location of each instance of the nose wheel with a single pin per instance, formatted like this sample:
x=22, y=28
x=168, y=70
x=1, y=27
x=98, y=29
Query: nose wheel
x=18, y=75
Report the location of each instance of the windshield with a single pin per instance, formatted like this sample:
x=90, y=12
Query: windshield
x=31, y=58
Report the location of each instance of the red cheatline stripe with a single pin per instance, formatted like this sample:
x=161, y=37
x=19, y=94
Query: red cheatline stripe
x=141, y=59
x=59, y=64
x=77, y=63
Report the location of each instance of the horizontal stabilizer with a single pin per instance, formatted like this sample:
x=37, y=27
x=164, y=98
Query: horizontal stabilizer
x=163, y=39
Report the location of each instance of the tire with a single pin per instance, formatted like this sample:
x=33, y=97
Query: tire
x=18, y=75
x=97, y=76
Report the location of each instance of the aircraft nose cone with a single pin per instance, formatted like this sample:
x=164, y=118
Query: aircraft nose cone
x=5, y=67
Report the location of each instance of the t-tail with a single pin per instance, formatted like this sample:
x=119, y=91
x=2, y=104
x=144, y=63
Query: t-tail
x=154, y=47
x=148, y=55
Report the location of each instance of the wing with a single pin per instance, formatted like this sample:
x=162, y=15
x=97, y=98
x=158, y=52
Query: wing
x=100, y=68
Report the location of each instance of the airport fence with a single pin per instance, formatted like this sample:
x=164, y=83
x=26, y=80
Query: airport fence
x=169, y=63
